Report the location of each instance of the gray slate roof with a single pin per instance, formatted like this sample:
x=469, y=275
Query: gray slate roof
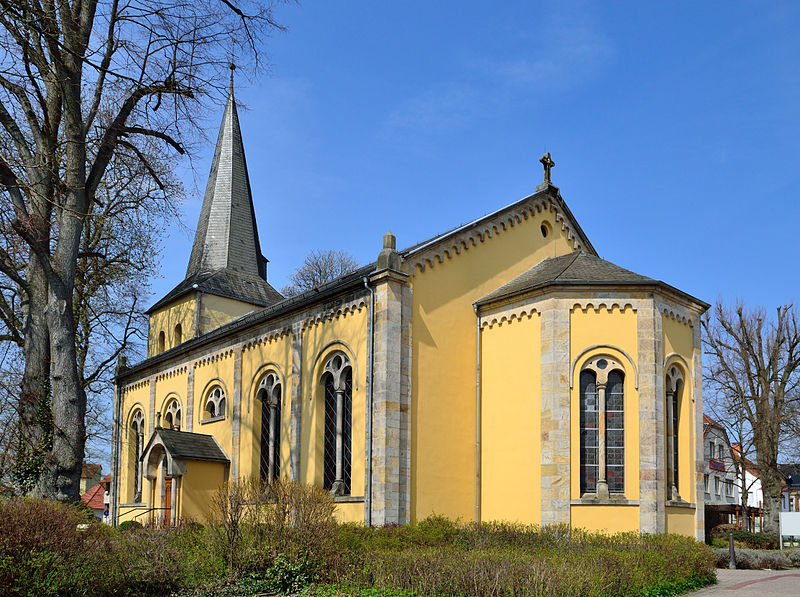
x=573, y=268
x=189, y=446
x=226, y=257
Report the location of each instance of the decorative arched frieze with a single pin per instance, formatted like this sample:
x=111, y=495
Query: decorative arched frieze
x=216, y=356
x=137, y=385
x=172, y=372
x=336, y=312
x=518, y=313
x=267, y=337
x=597, y=350
x=598, y=305
x=677, y=312
x=472, y=234
x=326, y=352
x=262, y=371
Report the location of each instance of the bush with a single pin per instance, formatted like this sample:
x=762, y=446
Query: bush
x=751, y=559
x=129, y=525
x=745, y=538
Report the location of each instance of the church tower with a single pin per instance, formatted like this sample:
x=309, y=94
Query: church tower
x=227, y=274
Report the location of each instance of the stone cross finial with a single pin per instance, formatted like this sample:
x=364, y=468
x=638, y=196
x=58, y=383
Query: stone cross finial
x=548, y=163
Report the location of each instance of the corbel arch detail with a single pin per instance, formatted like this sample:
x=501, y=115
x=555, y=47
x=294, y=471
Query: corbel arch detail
x=596, y=350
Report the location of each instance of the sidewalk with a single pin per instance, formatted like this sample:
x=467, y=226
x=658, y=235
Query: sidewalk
x=753, y=583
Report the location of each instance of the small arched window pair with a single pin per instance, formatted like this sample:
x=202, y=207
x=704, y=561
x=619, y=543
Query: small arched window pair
x=215, y=403
x=172, y=415
x=602, y=427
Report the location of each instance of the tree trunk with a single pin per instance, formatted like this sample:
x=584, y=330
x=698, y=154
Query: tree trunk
x=771, y=485
x=34, y=416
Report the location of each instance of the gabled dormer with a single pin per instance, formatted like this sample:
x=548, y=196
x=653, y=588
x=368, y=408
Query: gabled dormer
x=227, y=274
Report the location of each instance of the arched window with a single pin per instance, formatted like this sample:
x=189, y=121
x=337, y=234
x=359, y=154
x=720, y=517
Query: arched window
x=162, y=341
x=172, y=415
x=137, y=441
x=615, y=432
x=337, y=381
x=602, y=427
x=589, y=432
x=269, y=393
x=215, y=403
x=178, y=335
x=673, y=390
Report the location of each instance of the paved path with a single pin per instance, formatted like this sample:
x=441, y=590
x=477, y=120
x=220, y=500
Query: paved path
x=753, y=583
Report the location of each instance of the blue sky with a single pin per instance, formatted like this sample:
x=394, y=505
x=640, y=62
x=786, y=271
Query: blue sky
x=675, y=128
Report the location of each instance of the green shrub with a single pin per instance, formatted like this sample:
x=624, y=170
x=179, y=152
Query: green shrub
x=751, y=559
x=129, y=525
x=746, y=538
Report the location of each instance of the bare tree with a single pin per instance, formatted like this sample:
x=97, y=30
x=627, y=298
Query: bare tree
x=318, y=268
x=755, y=365
x=80, y=81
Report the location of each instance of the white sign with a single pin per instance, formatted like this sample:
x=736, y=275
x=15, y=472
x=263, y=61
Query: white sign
x=789, y=525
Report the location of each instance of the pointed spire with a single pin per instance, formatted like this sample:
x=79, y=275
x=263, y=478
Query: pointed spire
x=227, y=237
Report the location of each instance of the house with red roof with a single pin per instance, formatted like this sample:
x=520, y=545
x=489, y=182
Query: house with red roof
x=97, y=498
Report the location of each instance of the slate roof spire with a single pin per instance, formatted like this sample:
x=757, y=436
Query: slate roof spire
x=226, y=257
x=227, y=236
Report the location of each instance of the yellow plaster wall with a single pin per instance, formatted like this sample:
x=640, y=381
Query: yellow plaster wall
x=199, y=484
x=444, y=359
x=678, y=339
x=606, y=519
x=216, y=311
x=681, y=521
x=276, y=355
x=206, y=375
x=352, y=329
x=349, y=512
x=616, y=328
x=138, y=397
x=511, y=421
x=165, y=319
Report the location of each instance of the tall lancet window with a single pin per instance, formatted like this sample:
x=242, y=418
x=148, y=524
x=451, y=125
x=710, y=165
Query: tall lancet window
x=337, y=381
x=602, y=427
x=269, y=394
x=136, y=434
x=673, y=387
x=589, y=432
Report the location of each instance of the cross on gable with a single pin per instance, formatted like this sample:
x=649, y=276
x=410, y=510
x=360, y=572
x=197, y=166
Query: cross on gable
x=548, y=163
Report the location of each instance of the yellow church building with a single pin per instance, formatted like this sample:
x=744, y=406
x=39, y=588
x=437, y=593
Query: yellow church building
x=499, y=371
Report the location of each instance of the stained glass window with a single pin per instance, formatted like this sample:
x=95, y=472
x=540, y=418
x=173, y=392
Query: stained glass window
x=615, y=432
x=589, y=432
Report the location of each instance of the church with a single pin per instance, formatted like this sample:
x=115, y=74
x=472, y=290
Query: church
x=499, y=371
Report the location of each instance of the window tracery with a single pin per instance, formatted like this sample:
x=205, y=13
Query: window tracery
x=172, y=415
x=137, y=439
x=269, y=393
x=602, y=427
x=673, y=390
x=215, y=403
x=337, y=381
